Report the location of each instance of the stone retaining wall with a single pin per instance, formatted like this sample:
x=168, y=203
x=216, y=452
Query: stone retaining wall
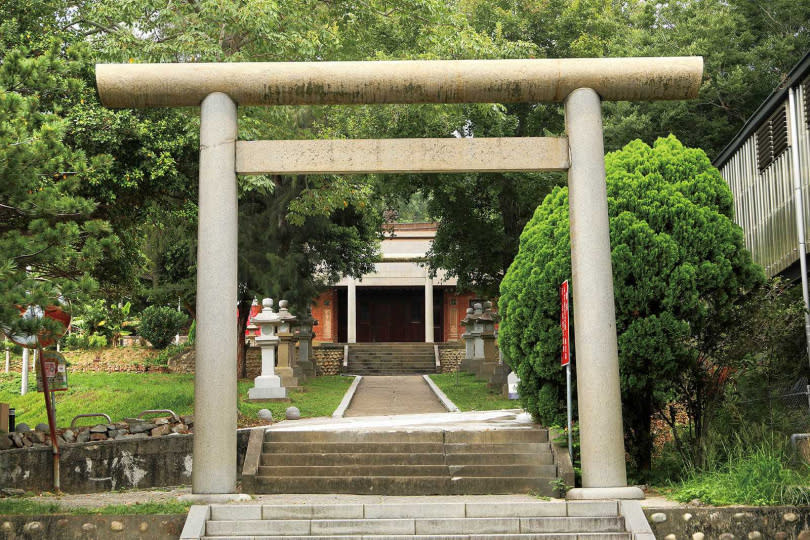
x=328, y=359
x=730, y=523
x=69, y=527
x=450, y=356
x=107, y=465
x=186, y=361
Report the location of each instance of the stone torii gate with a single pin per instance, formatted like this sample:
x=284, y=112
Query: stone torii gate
x=579, y=83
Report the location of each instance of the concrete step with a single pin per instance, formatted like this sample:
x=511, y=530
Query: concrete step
x=544, y=458
x=406, y=485
x=478, y=536
x=354, y=447
x=359, y=470
x=545, y=471
x=355, y=436
x=496, y=449
x=485, y=437
x=418, y=526
x=361, y=485
x=424, y=519
x=357, y=459
x=404, y=462
x=419, y=508
x=497, y=436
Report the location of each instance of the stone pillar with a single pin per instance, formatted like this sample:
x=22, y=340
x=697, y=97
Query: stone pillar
x=268, y=384
x=214, y=470
x=304, y=335
x=351, y=312
x=429, y=337
x=286, y=346
x=597, y=364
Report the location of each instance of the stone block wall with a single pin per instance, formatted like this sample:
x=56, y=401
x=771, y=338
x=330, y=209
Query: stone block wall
x=450, y=356
x=328, y=359
x=90, y=527
x=184, y=362
x=108, y=465
x=730, y=522
x=253, y=361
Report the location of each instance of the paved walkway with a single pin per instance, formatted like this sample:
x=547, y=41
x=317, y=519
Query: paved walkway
x=389, y=395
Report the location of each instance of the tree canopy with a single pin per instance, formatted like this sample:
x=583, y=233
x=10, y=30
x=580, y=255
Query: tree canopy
x=135, y=171
x=679, y=267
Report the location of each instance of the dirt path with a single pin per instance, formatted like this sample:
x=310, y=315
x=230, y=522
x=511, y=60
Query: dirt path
x=399, y=394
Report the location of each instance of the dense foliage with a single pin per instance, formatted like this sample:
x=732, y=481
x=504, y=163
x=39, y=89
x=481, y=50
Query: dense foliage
x=159, y=325
x=679, y=266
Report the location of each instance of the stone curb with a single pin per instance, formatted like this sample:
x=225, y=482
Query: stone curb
x=449, y=405
x=194, y=527
x=347, y=398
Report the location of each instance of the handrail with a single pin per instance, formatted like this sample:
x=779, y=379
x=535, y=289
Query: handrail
x=155, y=411
x=90, y=415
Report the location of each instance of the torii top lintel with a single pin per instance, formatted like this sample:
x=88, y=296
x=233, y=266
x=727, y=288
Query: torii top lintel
x=408, y=81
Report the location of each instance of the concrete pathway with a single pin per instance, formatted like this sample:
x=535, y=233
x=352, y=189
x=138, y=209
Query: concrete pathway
x=392, y=395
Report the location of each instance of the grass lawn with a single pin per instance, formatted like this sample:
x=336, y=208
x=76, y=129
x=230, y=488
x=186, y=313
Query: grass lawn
x=122, y=395
x=471, y=393
x=28, y=507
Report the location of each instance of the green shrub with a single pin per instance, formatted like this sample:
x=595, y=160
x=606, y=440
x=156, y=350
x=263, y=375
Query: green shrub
x=679, y=265
x=85, y=341
x=159, y=324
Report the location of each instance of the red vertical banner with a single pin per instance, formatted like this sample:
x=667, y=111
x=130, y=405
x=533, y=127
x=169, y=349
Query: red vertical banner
x=566, y=349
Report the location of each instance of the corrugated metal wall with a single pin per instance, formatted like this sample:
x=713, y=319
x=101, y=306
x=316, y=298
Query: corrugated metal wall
x=763, y=203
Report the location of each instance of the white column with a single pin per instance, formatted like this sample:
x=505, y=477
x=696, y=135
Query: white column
x=351, y=311
x=24, y=383
x=8, y=359
x=597, y=360
x=214, y=470
x=428, y=309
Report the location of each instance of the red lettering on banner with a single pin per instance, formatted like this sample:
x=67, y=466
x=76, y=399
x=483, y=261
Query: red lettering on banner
x=566, y=351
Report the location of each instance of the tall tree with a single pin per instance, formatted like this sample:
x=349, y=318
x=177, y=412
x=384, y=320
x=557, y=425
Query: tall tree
x=679, y=267
x=50, y=239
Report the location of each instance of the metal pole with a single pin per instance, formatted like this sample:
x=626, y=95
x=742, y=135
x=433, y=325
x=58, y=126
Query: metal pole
x=51, y=419
x=795, y=166
x=8, y=358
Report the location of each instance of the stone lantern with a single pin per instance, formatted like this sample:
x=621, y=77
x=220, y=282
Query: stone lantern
x=268, y=384
x=474, y=350
x=286, y=345
x=489, y=352
x=304, y=334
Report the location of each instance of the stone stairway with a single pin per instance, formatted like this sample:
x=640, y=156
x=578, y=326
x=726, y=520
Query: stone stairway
x=422, y=519
x=391, y=358
x=401, y=462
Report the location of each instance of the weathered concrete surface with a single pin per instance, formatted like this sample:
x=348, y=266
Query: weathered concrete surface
x=69, y=527
x=108, y=465
x=215, y=380
x=730, y=522
x=341, y=156
x=597, y=366
x=436, y=81
x=389, y=395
